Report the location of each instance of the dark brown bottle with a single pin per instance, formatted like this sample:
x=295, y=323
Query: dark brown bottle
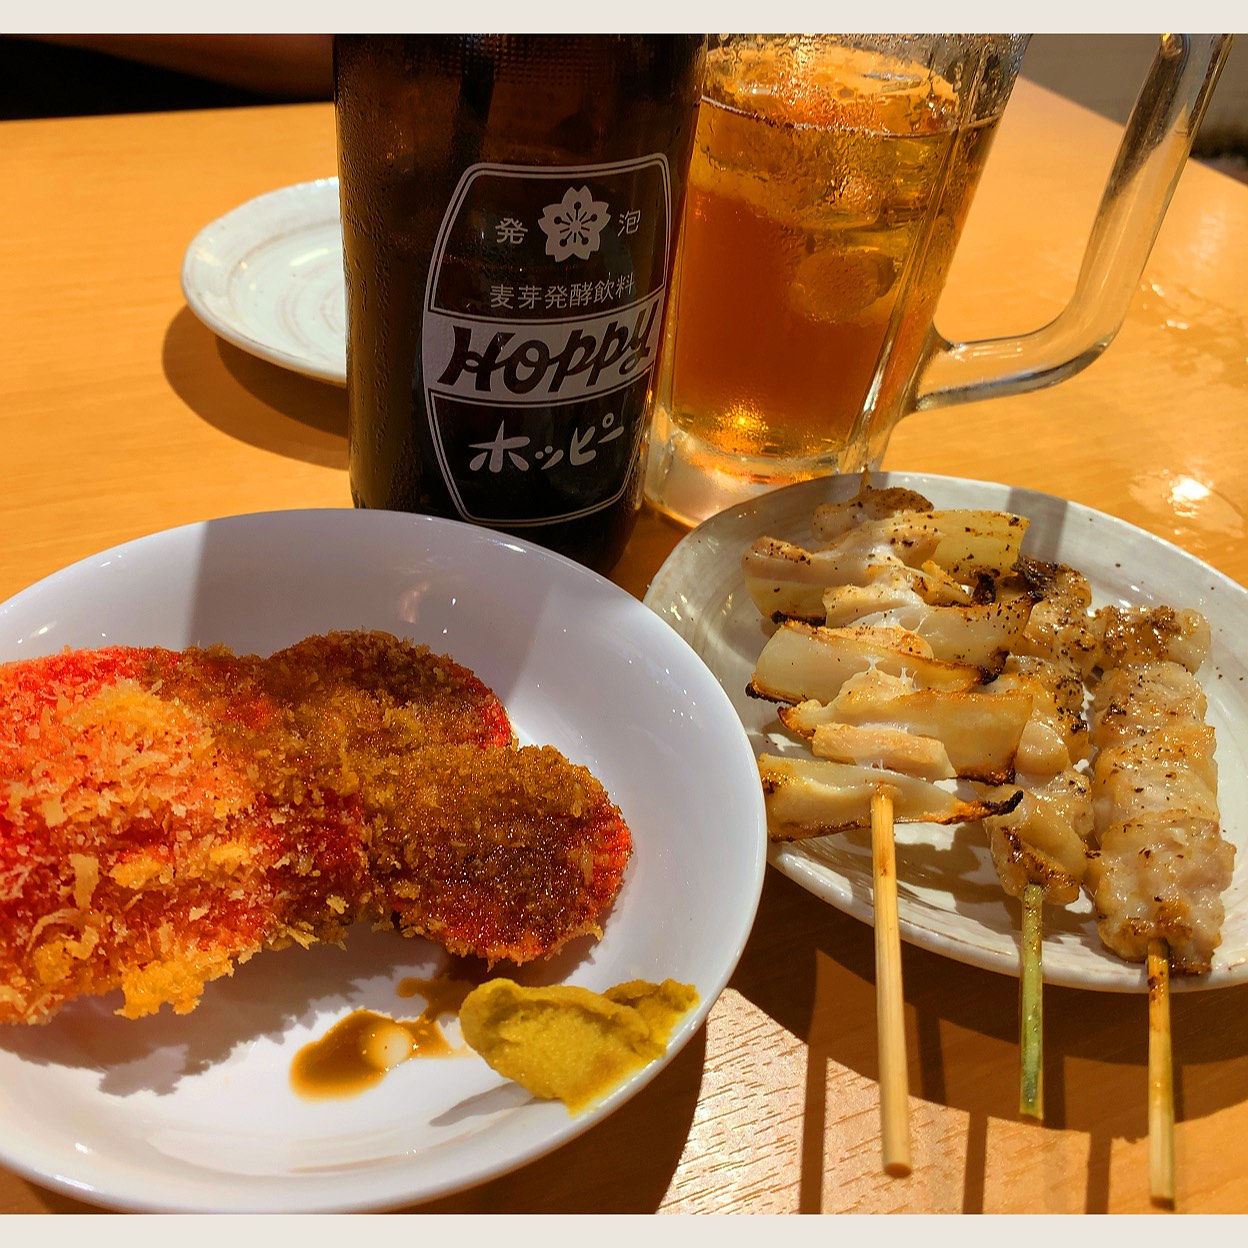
x=509, y=209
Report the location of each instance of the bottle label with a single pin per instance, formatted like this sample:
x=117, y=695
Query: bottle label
x=542, y=319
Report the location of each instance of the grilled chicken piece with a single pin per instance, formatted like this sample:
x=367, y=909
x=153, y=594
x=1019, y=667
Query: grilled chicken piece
x=1141, y=698
x=969, y=541
x=1059, y=627
x=891, y=588
x=1169, y=770
x=979, y=634
x=1057, y=734
x=870, y=503
x=873, y=745
x=1162, y=876
x=978, y=731
x=1148, y=634
x=1163, y=863
x=1043, y=840
x=787, y=581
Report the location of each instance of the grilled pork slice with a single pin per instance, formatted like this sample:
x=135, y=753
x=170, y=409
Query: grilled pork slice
x=802, y=661
x=808, y=797
x=978, y=731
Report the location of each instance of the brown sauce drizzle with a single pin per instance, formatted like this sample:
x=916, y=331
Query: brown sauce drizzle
x=358, y=1051
x=442, y=996
x=570, y=1043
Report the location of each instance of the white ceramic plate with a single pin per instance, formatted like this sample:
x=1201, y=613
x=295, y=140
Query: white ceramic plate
x=196, y=1112
x=267, y=277
x=949, y=899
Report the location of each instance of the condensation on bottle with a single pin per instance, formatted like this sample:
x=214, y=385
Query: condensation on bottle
x=510, y=206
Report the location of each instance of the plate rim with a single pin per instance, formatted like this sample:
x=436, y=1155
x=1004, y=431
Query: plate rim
x=71, y=1182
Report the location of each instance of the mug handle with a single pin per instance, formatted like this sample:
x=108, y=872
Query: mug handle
x=1154, y=149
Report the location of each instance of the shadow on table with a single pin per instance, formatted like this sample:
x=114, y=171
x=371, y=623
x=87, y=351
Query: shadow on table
x=605, y=1161
x=252, y=400
x=812, y=969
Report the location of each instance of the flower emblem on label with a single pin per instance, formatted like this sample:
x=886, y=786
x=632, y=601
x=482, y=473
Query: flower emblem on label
x=573, y=226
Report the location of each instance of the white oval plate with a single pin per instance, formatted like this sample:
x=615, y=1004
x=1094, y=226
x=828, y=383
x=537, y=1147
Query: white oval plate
x=949, y=900
x=267, y=277
x=196, y=1112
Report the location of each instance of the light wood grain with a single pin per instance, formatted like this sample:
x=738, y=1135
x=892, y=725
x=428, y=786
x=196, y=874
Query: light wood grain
x=121, y=414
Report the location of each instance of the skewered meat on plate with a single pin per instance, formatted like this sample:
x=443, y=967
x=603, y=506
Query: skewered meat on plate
x=897, y=675
x=929, y=619
x=1163, y=863
x=1042, y=843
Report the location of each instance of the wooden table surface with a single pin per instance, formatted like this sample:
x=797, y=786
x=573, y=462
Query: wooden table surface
x=120, y=414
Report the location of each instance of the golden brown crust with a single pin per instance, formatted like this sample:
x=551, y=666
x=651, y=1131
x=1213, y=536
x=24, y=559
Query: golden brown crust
x=506, y=854
x=165, y=814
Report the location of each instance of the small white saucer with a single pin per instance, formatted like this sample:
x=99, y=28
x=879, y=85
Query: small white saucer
x=267, y=277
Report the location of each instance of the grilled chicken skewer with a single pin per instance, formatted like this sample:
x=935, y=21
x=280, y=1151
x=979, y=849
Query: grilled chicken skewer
x=1163, y=864
x=908, y=734
x=882, y=629
x=1040, y=847
x=891, y=676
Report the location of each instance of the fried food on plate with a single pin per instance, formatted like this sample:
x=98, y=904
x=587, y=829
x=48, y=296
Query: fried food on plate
x=165, y=815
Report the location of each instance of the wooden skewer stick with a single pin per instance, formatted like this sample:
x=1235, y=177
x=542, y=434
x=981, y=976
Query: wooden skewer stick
x=1031, y=1006
x=1160, y=1077
x=890, y=1020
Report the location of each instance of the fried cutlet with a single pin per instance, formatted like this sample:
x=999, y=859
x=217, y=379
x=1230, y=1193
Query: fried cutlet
x=164, y=815
x=505, y=854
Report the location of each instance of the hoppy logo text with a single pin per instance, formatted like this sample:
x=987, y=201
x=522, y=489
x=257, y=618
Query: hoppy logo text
x=543, y=359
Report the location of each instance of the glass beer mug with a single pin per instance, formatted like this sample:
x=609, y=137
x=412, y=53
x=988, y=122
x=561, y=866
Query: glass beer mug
x=830, y=180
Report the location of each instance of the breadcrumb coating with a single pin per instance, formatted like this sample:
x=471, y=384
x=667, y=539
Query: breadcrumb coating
x=165, y=815
x=495, y=850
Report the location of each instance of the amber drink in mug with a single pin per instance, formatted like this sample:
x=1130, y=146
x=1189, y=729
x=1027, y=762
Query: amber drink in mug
x=830, y=181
